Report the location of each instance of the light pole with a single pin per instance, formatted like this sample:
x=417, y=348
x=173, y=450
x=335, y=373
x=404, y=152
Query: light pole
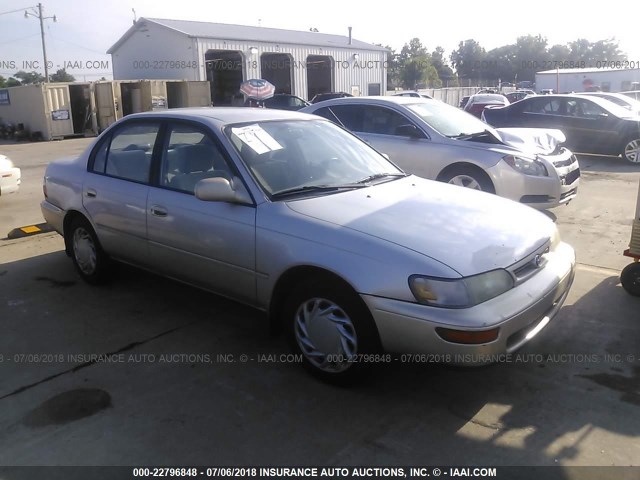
x=39, y=16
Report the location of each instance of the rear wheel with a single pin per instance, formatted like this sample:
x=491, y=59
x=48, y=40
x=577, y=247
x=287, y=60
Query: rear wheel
x=468, y=177
x=332, y=328
x=91, y=262
x=631, y=150
x=630, y=278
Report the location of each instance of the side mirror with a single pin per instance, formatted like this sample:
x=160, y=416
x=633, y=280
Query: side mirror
x=408, y=130
x=220, y=189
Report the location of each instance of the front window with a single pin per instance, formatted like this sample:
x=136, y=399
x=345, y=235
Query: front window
x=286, y=156
x=447, y=120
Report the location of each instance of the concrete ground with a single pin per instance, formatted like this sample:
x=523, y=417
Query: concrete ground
x=197, y=380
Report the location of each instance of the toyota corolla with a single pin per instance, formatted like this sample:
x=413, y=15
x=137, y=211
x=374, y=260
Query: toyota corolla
x=299, y=218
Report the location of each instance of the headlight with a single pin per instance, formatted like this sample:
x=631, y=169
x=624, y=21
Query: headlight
x=460, y=293
x=555, y=239
x=526, y=166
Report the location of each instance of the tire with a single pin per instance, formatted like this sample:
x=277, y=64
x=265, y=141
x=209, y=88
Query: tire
x=631, y=149
x=630, y=278
x=90, y=260
x=330, y=342
x=468, y=177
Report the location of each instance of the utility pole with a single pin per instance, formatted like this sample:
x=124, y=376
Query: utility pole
x=42, y=18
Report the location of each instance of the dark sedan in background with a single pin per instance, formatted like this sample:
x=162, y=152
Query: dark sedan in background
x=591, y=124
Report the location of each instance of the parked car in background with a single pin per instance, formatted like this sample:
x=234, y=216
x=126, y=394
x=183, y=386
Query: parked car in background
x=517, y=95
x=9, y=176
x=617, y=98
x=437, y=141
x=328, y=96
x=284, y=101
x=479, y=101
x=635, y=94
x=547, y=91
x=412, y=94
x=591, y=124
x=293, y=215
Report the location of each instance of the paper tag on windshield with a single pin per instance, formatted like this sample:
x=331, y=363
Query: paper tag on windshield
x=257, y=139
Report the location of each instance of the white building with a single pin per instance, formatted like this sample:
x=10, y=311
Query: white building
x=299, y=63
x=585, y=79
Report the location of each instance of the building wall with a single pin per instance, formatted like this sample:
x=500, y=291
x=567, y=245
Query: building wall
x=155, y=53
x=348, y=73
x=160, y=53
x=573, y=81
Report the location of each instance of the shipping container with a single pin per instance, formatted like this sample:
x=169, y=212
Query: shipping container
x=50, y=111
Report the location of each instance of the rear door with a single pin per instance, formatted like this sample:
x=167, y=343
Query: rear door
x=116, y=187
x=592, y=128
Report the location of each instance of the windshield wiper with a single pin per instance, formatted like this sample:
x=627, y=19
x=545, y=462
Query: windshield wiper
x=469, y=136
x=376, y=176
x=315, y=188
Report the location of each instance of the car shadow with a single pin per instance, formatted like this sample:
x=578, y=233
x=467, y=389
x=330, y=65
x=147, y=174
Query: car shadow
x=605, y=164
x=538, y=409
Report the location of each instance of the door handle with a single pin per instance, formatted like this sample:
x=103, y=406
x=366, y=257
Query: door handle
x=91, y=193
x=158, y=211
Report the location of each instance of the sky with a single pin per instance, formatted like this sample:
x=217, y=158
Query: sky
x=84, y=31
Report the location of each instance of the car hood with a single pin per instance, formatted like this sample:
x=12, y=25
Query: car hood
x=536, y=141
x=469, y=231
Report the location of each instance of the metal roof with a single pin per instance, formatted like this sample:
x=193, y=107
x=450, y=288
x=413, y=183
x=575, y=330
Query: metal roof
x=244, y=32
x=584, y=70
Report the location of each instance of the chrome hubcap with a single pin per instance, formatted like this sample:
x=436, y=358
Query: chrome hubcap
x=632, y=151
x=465, y=181
x=84, y=251
x=326, y=335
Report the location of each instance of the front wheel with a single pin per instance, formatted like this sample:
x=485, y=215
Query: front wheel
x=91, y=262
x=631, y=150
x=333, y=330
x=630, y=278
x=468, y=177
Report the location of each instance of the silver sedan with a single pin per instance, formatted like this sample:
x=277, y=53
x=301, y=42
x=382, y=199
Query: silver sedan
x=437, y=141
x=293, y=215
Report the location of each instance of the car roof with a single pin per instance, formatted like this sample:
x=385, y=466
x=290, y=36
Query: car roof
x=380, y=100
x=488, y=96
x=225, y=115
x=604, y=103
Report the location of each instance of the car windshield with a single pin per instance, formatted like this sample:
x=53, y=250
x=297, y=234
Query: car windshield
x=617, y=110
x=448, y=120
x=295, y=156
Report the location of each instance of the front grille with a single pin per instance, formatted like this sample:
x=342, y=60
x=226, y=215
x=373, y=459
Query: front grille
x=530, y=265
x=571, y=192
x=572, y=176
x=566, y=162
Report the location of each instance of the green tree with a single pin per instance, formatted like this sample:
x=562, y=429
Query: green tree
x=559, y=53
x=62, y=76
x=531, y=55
x=445, y=72
x=13, y=82
x=393, y=69
x=29, y=78
x=467, y=60
x=415, y=66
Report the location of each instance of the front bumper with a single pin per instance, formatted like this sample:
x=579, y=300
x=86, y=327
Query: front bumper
x=10, y=181
x=520, y=314
x=559, y=188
